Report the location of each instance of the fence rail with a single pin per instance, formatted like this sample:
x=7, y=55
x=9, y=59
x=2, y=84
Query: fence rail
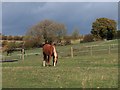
x=91, y=50
x=74, y=51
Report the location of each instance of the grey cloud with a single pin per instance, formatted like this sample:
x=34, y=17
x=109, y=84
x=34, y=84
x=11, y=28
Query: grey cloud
x=21, y=16
x=0, y=17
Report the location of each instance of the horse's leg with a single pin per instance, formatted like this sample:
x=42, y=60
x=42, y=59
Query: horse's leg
x=54, y=61
x=49, y=57
x=44, y=59
x=7, y=53
x=10, y=53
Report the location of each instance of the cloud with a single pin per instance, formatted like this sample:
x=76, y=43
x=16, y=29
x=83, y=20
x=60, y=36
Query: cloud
x=0, y=17
x=21, y=16
x=60, y=0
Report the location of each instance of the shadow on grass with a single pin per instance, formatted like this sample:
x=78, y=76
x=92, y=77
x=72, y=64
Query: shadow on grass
x=14, y=60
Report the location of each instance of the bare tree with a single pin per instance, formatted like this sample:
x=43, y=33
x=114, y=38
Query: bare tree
x=75, y=34
x=47, y=30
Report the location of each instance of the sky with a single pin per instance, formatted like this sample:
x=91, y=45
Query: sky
x=18, y=17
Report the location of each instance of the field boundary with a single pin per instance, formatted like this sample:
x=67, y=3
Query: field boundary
x=94, y=48
x=88, y=50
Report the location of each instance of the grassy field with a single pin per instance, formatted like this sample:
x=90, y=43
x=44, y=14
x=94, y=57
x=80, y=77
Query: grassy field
x=81, y=71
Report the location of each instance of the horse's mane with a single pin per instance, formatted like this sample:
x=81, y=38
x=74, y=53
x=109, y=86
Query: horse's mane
x=54, y=51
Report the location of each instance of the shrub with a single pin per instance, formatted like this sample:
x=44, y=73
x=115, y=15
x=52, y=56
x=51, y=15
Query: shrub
x=68, y=42
x=11, y=45
x=4, y=43
x=88, y=38
x=28, y=44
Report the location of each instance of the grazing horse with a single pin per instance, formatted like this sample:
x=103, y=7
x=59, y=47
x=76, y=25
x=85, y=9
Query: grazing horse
x=48, y=52
x=10, y=51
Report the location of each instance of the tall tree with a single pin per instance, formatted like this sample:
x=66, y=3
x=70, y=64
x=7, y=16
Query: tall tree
x=104, y=28
x=47, y=30
x=75, y=33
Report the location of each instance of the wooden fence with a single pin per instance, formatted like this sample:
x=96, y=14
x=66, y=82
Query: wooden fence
x=93, y=49
x=74, y=51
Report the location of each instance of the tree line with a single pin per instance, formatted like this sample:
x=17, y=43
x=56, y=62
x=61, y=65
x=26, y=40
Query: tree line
x=48, y=31
x=10, y=37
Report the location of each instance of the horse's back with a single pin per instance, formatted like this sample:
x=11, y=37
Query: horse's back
x=47, y=49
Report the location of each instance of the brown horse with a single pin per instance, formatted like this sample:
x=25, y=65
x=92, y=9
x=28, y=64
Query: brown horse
x=48, y=52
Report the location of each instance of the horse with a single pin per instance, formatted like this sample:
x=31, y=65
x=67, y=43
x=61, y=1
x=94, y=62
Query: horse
x=48, y=52
x=10, y=51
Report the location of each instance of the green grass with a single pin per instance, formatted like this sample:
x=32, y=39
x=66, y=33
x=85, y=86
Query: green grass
x=81, y=71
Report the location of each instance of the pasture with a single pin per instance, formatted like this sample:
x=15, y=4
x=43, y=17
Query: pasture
x=99, y=70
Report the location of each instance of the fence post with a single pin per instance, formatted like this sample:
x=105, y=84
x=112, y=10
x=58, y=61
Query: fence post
x=109, y=51
x=23, y=54
x=72, y=52
x=91, y=51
